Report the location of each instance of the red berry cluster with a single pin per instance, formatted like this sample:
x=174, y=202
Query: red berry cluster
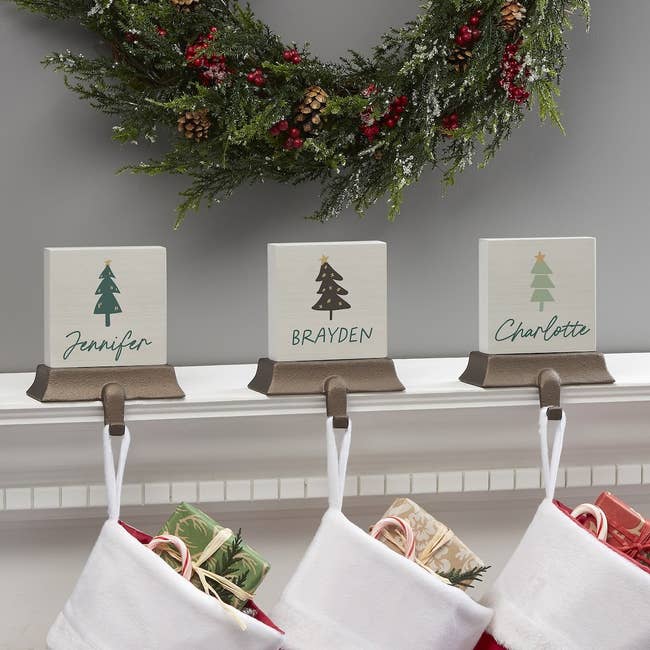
x=450, y=122
x=392, y=116
x=371, y=127
x=213, y=69
x=293, y=139
x=195, y=53
x=511, y=68
x=369, y=90
x=256, y=77
x=292, y=56
x=469, y=33
x=279, y=127
x=161, y=31
x=216, y=73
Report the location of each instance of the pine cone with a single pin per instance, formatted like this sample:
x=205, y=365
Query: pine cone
x=308, y=112
x=513, y=14
x=194, y=125
x=460, y=58
x=185, y=5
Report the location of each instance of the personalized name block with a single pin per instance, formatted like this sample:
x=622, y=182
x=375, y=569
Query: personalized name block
x=327, y=301
x=537, y=295
x=105, y=306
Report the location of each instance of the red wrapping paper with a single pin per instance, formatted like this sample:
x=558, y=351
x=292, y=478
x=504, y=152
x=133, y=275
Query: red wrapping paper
x=567, y=511
x=628, y=531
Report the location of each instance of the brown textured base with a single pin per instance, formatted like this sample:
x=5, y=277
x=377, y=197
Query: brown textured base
x=85, y=384
x=509, y=370
x=308, y=377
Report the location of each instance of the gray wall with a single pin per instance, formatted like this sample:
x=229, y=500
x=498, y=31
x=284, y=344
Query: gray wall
x=57, y=188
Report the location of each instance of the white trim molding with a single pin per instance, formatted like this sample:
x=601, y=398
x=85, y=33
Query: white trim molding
x=268, y=491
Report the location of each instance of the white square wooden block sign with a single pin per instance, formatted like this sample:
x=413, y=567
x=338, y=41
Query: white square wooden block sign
x=537, y=295
x=105, y=306
x=327, y=300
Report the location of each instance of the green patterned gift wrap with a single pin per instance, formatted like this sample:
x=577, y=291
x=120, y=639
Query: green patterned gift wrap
x=235, y=560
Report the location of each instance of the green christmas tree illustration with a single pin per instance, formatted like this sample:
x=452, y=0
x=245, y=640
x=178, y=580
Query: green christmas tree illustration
x=107, y=303
x=541, y=282
x=330, y=292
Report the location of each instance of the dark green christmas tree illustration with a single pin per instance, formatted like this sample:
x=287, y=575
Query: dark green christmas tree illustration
x=107, y=303
x=330, y=292
x=541, y=282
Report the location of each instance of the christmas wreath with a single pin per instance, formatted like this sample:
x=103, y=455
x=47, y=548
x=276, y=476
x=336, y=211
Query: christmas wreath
x=235, y=104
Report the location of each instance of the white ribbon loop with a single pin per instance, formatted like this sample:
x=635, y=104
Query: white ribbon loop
x=337, y=463
x=112, y=477
x=551, y=466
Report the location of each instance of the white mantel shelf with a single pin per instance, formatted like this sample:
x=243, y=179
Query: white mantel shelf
x=221, y=391
x=224, y=443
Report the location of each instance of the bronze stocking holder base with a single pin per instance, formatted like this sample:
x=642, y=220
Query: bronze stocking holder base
x=333, y=378
x=510, y=370
x=111, y=385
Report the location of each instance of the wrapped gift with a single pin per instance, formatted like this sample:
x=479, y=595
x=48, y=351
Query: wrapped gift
x=437, y=548
x=224, y=565
x=628, y=531
x=250, y=608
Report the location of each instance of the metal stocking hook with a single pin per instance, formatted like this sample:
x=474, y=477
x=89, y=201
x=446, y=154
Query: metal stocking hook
x=113, y=399
x=550, y=384
x=336, y=400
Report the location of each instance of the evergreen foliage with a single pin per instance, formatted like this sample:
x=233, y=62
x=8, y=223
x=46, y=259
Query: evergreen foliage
x=232, y=567
x=144, y=81
x=464, y=579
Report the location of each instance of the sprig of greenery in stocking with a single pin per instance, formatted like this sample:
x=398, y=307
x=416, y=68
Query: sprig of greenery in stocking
x=459, y=578
x=230, y=566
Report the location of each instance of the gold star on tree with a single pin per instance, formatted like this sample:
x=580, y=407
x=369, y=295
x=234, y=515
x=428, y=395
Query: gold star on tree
x=323, y=259
x=540, y=256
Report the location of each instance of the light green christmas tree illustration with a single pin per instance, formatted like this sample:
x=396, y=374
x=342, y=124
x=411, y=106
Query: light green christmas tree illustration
x=107, y=303
x=541, y=282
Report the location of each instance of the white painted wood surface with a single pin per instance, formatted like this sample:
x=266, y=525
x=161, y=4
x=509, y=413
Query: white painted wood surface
x=468, y=455
x=327, y=300
x=105, y=306
x=537, y=295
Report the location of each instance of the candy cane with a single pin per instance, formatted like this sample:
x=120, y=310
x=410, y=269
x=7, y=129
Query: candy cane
x=597, y=514
x=404, y=527
x=186, y=559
